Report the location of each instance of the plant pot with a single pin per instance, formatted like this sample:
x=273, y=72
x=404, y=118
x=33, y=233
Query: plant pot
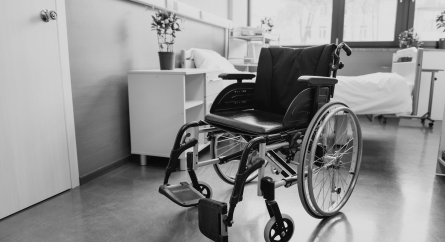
x=442, y=43
x=167, y=60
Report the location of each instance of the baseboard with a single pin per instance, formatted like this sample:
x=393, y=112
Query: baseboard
x=105, y=169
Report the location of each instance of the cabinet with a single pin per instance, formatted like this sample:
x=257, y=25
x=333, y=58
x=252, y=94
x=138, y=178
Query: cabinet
x=162, y=101
x=245, y=45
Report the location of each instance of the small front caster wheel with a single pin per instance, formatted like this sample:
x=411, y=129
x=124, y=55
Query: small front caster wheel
x=205, y=189
x=273, y=233
x=431, y=124
x=422, y=121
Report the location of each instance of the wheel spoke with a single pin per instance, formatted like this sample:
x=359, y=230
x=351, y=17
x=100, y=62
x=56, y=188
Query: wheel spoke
x=234, y=143
x=332, y=149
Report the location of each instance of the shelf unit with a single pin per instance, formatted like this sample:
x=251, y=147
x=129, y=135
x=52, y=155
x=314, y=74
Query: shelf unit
x=162, y=101
x=244, y=50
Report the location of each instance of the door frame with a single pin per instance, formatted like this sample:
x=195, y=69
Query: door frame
x=67, y=92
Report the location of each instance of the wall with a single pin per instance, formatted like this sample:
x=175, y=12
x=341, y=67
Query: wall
x=106, y=38
x=365, y=62
x=217, y=7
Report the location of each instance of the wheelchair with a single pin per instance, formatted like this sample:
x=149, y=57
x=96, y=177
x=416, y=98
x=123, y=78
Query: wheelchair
x=286, y=112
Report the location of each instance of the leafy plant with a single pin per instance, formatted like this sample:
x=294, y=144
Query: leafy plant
x=267, y=24
x=166, y=25
x=440, y=20
x=409, y=39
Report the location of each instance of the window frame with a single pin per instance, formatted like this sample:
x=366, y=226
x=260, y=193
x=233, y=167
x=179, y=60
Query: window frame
x=404, y=21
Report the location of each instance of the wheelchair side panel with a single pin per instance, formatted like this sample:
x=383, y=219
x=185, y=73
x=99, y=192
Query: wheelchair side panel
x=238, y=96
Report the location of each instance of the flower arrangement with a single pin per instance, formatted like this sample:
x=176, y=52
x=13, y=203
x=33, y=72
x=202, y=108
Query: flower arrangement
x=440, y=20
x=165, y=24
x=409, y=39
x=267, y=24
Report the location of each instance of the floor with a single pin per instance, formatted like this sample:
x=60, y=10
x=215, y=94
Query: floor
x=397, y=198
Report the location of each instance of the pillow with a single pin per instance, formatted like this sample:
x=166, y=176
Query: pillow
x=209, y=59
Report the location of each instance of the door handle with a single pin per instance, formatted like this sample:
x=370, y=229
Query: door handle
x=46, y=16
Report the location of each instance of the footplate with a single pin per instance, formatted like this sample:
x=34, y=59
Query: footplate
x=211, y=219
x=182, y=194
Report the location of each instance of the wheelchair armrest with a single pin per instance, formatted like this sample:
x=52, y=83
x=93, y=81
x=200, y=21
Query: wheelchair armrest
x=236, y=76
x=238, y=96
x=318, y=80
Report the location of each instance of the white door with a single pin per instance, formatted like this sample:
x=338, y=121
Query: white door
x=34, y=153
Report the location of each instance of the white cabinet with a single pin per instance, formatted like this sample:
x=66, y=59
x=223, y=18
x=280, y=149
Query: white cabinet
x=162, y=101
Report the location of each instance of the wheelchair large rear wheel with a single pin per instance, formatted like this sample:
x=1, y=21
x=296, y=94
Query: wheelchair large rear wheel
x=330, y=160
x=226, y=144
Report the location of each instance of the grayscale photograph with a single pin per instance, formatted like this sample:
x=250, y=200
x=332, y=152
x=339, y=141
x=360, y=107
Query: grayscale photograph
x=222, y=120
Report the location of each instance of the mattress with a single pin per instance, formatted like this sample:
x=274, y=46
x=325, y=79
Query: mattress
x=377, y=93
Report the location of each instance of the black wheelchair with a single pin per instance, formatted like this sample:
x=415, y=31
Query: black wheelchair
x=286, y=111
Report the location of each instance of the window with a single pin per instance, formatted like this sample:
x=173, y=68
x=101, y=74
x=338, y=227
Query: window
x=360, y=23
x=299, y=22
x=425, y=19
x=369, y=20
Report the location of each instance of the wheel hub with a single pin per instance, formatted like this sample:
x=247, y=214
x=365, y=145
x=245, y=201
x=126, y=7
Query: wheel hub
x=332, y=161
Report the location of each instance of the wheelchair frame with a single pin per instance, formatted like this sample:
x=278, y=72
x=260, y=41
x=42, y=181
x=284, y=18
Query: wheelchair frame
x=266, y=144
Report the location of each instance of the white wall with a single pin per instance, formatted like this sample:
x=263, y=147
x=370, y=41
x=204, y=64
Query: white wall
x=217, y=7
x=106, y=39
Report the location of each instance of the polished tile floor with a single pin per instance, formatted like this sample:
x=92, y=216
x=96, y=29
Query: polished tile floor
x=397, y=198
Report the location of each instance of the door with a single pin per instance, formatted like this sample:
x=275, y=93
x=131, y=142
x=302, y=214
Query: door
x=34, y=144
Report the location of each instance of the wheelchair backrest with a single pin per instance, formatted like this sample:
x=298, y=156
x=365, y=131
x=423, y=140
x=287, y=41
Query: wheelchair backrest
x=279, y=69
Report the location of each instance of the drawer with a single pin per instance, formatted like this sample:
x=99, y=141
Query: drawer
x=213, y=86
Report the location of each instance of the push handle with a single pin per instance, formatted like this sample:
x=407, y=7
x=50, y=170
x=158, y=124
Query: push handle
x=345, y=47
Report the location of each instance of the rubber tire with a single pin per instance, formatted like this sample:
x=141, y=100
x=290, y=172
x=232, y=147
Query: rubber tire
x=205, y=189
x=304, y=147
x=301, y=188
x=218, y=172
x=271, y=223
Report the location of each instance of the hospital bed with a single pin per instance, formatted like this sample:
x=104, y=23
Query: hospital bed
x=394, y=94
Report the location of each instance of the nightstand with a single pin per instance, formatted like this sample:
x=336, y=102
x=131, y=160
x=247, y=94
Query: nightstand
x=161, y=101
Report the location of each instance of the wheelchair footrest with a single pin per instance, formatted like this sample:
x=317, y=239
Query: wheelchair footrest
x=211, y=215
x=182, y=194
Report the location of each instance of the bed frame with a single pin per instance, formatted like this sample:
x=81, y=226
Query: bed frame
x=186, y=59
x=408, y=64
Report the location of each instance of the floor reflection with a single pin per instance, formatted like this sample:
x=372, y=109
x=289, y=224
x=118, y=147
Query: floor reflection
x=335, y=228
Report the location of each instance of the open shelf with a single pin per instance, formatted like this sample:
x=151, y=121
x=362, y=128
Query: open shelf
x=192, y=103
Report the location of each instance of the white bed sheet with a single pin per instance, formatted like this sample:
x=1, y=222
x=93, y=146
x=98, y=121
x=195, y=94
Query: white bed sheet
x=377, y=93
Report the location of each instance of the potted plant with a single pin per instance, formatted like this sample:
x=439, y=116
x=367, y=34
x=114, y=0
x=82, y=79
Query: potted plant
x=409, y=39
x=267, y=24
x=440, y=20
x=166, y=25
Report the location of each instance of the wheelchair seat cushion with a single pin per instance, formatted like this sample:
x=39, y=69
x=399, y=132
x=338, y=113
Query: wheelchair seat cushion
x=248, y=121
